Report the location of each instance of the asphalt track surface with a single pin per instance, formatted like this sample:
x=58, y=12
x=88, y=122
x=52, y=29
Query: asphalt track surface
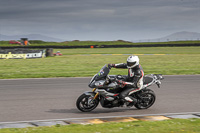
x=55, y=98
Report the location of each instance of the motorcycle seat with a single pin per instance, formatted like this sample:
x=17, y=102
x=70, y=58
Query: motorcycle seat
x=147, y=80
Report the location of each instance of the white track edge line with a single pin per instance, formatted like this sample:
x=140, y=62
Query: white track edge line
x=86, y=77
x=101, y=117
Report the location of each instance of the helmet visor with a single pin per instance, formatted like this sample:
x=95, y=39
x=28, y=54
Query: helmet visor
x=130, y=64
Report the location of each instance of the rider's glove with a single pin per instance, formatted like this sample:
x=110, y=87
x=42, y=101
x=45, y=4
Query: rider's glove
x=121, y=83
x=111, y=65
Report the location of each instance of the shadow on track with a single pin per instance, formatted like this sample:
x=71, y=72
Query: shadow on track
x=96, y=111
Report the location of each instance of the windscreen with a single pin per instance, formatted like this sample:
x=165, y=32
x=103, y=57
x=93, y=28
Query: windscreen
x=101, y=75
x=103, y=72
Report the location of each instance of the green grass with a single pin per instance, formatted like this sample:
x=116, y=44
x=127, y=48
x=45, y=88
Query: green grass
x=167, y=126
x=99, y=43
x=184, y=60
x=142, y=50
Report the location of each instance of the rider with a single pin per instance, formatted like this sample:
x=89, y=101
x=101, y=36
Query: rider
x=134, y=81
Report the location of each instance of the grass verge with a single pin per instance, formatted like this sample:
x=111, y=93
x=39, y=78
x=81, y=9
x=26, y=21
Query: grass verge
x=99, y=43
x=166, y=126
x=180, y=61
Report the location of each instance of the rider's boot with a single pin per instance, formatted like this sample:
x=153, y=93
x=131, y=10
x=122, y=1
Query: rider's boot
x=130, y=100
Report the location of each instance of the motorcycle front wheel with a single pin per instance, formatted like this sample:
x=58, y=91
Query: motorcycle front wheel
x=86, y=103
x=146, y=99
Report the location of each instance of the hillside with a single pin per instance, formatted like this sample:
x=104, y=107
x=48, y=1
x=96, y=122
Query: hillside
x=184, y=35
x=30, y=37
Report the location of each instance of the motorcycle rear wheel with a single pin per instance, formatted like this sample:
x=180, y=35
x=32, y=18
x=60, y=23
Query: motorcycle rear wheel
x=86, y=103
x=147, y=99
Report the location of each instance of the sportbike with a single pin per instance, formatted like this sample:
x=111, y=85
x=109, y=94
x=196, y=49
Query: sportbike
x=106, y=91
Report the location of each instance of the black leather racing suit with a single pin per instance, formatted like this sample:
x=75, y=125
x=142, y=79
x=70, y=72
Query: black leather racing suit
x=134, y=81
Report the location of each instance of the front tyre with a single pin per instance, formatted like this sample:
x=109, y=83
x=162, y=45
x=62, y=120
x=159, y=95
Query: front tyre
x=86, y=103
x=146, y=99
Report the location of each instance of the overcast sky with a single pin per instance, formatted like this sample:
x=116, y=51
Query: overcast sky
x=99, y=19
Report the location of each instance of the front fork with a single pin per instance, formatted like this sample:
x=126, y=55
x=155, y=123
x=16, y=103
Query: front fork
x=90, y=100
x=96, y=95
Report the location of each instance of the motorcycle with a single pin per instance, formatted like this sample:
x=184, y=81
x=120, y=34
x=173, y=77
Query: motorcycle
x=106, y=90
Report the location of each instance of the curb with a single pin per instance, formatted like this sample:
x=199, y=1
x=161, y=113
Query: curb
x=99, y=120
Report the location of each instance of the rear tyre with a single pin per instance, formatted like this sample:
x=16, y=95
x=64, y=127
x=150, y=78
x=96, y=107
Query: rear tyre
x=146, y=99
x=86, y=103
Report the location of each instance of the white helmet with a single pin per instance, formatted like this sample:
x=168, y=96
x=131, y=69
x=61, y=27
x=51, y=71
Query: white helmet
x=132, y=61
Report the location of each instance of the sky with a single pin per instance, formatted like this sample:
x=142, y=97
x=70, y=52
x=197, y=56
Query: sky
x=100, y=20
